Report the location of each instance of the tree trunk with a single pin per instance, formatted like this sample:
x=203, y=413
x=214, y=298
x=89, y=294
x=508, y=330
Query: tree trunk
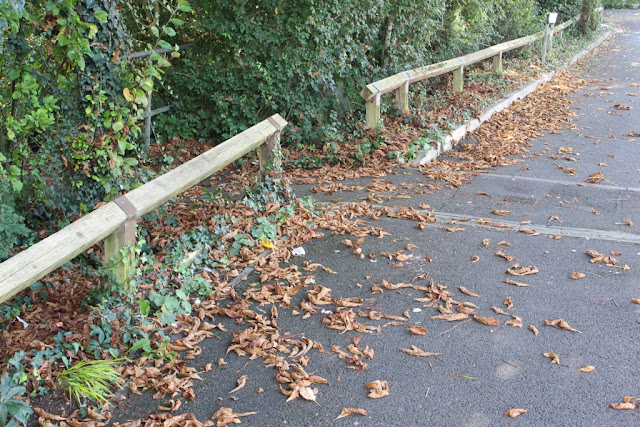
x=589, y=18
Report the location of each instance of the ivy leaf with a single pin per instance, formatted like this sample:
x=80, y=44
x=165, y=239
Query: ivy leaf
x=117, y=126
x=127, y=94
x=101, y=16
x=169, y=31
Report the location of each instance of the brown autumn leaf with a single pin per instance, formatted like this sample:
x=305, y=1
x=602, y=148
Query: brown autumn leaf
x=621, y=107
x=475, y=258
x=498, y=310
x=403, y=257
x=500, y=212
x=489, y=321
x=501, y=254
x=508, y=303
x=350, y=411
x=595, y=178
x=514, y=412
x=226, y=416
x=417, y=330
x=588, y=368
x=468, y=292
x=415, y=351
x=577, y=275
x=307, y=393
x=242, y=381
x=452, y=229
x=504, y=243
x=623, y=405
x=451, y=317
x=554, y=357
x=562, y=324
x=533, y=329
x=517, y=270
x=598, y=257
x=516, y=322
x=514, y=283
x=485, y=242
x=635, y=300
x=378, y=389
x=482, y=193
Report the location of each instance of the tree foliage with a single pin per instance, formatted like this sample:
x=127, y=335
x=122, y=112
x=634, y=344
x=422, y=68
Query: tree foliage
x=309, y=59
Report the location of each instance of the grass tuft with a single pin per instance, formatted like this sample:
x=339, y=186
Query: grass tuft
x=90, y=380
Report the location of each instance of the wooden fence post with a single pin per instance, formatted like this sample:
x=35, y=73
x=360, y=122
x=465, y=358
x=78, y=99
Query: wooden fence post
x=544, y=42
x=458, y=79
x=497, y=63
x=373, y=111
x=402, y=95
x=270, y=154
x=551, y=38
x=118, y=252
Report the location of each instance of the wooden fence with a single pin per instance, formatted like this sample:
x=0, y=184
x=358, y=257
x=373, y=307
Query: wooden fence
x=400, y=82
x=115, y=222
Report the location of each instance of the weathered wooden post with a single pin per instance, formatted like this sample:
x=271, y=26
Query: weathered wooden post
x=402, y=94
x=458, y=79
x=497, y=63
x=548, y=34
x=118, y=247
x=373, y=111
x=270, y=154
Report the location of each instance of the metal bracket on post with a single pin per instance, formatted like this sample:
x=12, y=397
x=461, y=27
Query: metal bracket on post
x=122, y=239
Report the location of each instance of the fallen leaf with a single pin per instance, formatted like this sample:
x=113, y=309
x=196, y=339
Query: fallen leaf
x=417, y=330
x=500, y=212
x=516, y=322
x=621, y=107
x=489, y=321
x=534, y=330
x=576, y=275
x=307, y=393
x=242, y=381
x=350, y=411
x=508, y=302
x=468, y=292
x=504, y=243
x=485, y=242
x=562, y=324
x=635, y=300
x=482, y=193
x=514, y=412
x=596, y=177
x=452, y=229
x=475, y=258
x=554, y=357
x=623, y=405
x=588, y=368
x=415, y=351
x=514, y=283
x=451, y=317
x=517, y=270
x=226, y=416
x=378, y=389
x=501, y=254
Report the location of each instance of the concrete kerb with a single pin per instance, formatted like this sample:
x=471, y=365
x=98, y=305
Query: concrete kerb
x=426, y=156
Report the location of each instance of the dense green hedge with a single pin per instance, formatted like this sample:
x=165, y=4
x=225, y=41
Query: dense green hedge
x=308, y=59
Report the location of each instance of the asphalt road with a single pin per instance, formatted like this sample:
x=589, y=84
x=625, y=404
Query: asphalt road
x=484, y=370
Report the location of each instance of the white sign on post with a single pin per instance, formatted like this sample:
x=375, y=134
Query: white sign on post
x=553, y=16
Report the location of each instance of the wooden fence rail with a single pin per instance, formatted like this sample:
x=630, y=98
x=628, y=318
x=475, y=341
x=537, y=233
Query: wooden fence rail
x=400, y=82
x=115, y=221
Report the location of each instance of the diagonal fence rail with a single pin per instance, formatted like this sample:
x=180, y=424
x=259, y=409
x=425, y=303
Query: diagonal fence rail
x=115, y=221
